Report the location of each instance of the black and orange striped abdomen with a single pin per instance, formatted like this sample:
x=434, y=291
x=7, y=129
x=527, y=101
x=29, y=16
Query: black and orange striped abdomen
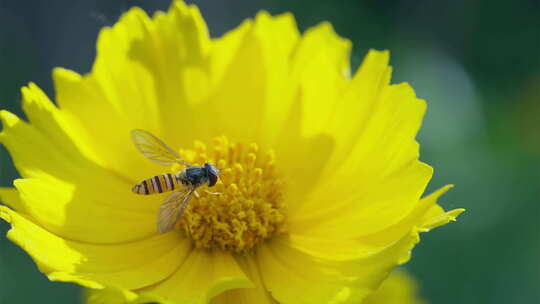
x=157, y=184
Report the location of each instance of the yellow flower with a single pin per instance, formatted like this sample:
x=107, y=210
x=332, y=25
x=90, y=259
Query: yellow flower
x=398, y=288
x=320, y=185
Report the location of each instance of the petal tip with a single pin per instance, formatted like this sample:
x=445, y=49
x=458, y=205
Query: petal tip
x=439, y=192
x=8, y=119
x=453, y=214
x=263, y=15
x=63, y=79
x=5, y=214
x=287, y=16
x=58, y=72
x=379, y=54
x=178, y=4
x=443, y=219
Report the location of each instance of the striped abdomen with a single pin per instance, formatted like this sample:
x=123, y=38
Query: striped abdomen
x=157, y=184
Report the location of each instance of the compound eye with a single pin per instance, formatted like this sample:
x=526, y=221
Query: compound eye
x=212, y=174
x=212, y=179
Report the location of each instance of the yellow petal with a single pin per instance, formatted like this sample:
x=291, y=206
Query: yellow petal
x=83, y=99
x=398, y=288
x=64, y=151
x=436, y=217
x=426, y=215
x=224, y=49
x=258, y=294
x=22, y=140
x=254, y=79
x=109, y=296
x=336, y=248
x=319, y=77
x=203, y=275
x=127, y=265
x=134, y=58
x=60, y=129
x=133, y=87
x=321, y=65
x=78, y=212
x=293, y=275
x=375, y=206
x=381, y=169
x=386, y=142
x=357, y=112
x=279, y=36
x=62, y=186
x=149, y=48
x=345, y=270
x=341, y=119
x=112, y=295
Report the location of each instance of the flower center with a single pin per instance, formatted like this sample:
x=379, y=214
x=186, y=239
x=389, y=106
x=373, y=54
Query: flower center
x=249, y=207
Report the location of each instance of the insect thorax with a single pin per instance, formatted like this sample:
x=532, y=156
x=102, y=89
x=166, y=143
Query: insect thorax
x=196, y=176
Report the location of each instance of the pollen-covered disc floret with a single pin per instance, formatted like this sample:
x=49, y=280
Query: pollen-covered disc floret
x=248, y=207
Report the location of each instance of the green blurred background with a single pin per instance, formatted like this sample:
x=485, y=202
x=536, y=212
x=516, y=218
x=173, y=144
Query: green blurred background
x=476, y=62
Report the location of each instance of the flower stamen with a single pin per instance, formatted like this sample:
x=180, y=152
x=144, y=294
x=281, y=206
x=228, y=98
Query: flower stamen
x=249, y=207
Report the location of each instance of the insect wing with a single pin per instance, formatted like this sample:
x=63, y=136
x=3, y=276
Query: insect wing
x=155, y=150
x=172, y=209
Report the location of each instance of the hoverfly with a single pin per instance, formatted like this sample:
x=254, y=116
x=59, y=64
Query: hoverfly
x=184, y=183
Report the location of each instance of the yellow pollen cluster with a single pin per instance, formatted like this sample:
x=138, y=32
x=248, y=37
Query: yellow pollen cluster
x=249, y=207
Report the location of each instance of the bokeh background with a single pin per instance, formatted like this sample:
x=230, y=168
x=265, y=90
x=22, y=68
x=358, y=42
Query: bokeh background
x=476, y=62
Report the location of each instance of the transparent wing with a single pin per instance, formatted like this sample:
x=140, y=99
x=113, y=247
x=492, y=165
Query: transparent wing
x=172, y=209
x=155, y=150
